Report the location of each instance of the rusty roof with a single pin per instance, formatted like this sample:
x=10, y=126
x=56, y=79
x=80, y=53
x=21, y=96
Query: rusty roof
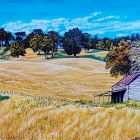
x=127, y=79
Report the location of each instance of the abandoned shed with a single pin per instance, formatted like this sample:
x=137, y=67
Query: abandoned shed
x=127, y=88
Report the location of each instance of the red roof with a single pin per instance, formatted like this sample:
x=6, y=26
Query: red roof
x=126, y=80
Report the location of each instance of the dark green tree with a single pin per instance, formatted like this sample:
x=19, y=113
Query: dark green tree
x=5, y=38
x=20, y=36
x=72, y=41
x=86, y=41
x=94, y=42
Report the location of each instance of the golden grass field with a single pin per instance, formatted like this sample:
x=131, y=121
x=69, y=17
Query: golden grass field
x=45, y=109
x=73, y=78
x=29, y=119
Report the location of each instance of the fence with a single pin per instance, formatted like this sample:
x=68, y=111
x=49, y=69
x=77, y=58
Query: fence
x=102, y=98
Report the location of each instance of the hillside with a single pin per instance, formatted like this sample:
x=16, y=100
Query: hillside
x=74, y=78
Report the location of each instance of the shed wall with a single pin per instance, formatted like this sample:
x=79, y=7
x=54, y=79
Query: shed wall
x=134, y=90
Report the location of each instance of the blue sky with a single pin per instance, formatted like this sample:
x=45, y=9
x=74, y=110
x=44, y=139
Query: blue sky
x=103, y=17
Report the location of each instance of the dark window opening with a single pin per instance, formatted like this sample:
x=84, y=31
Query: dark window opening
x=117, y=97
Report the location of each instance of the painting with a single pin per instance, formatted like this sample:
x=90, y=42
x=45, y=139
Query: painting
x=69, y=70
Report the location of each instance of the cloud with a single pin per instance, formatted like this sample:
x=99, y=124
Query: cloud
x=90, y=23
x=120, y=35
x=96, y=13
x=105, y=18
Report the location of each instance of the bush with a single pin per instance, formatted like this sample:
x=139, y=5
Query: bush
x=133, y=103
x=83, y=102
x=4, y=97
x=119, y=106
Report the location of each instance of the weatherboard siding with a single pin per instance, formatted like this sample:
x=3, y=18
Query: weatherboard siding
x=126, y=95
x=134, y=89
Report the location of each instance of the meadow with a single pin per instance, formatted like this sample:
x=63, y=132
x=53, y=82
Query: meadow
x=69, y=77
x=29, y=118
x=44, y=100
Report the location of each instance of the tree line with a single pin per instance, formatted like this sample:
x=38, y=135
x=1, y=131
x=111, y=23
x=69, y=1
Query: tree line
x=72, y=41
x=122, y=59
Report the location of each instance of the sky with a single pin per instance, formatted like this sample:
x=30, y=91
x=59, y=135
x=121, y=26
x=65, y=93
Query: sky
x=110, y=18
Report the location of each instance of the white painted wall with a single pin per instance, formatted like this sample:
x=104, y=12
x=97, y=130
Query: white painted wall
x=126, y=96
x=134, y=90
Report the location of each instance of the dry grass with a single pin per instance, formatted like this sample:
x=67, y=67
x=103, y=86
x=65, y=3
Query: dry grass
x=74, y=78
x=45, y=108
x=25, y=118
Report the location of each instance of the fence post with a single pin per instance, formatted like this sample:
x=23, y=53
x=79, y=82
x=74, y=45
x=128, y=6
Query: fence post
x=94, y=99
x=108, y=97
x=103, y=98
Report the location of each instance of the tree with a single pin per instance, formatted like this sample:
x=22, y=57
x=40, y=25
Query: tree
x=72, y=41
x=45, y=42
x=17, y=48
x=2, y=37
x=86, y=41
x=8, y=38
x=56, y=40
x=118, y=61
x=107, y=43
x=36, y=42
x=47, y=46
x=94, y=42
x=100, y=45
x=5, y=38
x=20, y=36
x=37, y=31
x=31, y=35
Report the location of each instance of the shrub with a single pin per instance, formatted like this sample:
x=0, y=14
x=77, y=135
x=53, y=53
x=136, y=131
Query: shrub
x=132, y=103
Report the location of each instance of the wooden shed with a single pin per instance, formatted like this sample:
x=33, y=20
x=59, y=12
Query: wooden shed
x=127, y=88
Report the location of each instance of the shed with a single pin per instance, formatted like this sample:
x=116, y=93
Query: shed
x=127, y=88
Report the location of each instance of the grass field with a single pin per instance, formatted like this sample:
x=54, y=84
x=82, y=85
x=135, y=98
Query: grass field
x=70, y=77
x=43, y=104
x=26, y=118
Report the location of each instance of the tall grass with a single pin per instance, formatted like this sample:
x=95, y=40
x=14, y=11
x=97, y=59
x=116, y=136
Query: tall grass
x=24, y=118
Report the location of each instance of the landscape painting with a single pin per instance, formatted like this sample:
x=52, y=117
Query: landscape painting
x=69, y=70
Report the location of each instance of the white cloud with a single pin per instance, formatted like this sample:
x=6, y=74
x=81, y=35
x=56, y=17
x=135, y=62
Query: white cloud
x=105, y=18
x=120, y=35
x=90, y=24
x=96, y=13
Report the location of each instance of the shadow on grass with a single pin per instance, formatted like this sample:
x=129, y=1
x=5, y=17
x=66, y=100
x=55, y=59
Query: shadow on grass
x=61, y=54
x=3, y=98
x=99, y=58
x=85, y=56
x=95, y=51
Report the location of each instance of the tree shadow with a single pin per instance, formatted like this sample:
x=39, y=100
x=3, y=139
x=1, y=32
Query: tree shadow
x=3, y=98
x=99, y=58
